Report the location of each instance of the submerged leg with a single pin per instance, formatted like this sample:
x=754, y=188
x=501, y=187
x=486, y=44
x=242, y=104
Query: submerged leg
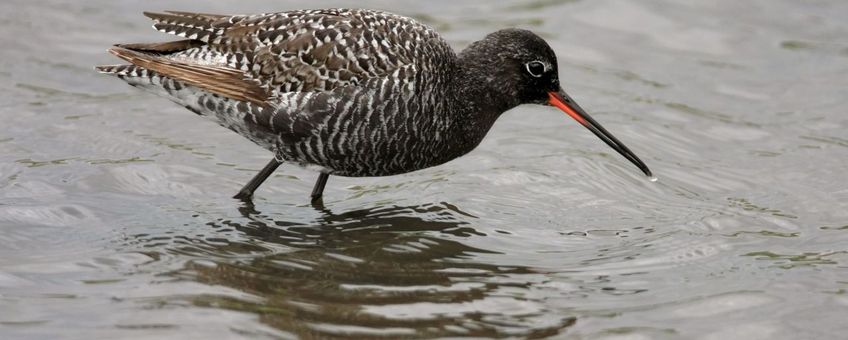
x=318, y=190
x=247, y=191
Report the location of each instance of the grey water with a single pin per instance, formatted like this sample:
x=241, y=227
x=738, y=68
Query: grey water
x=116, y=219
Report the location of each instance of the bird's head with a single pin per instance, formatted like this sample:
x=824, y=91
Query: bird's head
x=521, y=66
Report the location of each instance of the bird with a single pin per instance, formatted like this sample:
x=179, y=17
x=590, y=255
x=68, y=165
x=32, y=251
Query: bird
x=347, y=92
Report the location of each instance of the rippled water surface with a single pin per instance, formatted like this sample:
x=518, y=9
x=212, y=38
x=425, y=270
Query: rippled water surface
x=116, y=219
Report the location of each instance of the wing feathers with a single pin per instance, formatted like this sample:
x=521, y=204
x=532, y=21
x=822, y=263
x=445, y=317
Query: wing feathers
x=163, y=47
x=197, y=26
x=296, y=51
x=210, y=18
x=226, y=82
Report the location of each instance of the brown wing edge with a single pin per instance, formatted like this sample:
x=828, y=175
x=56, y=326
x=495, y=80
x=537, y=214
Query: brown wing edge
x=163, y=47
x=223, y=81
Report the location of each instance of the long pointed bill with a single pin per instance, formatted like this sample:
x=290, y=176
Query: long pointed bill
x=566, y=104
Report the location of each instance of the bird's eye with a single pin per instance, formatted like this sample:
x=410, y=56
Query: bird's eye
x=535, y=68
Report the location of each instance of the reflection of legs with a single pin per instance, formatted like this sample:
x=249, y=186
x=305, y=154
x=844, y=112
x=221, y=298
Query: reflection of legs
x=247, y=191
x=318, y=190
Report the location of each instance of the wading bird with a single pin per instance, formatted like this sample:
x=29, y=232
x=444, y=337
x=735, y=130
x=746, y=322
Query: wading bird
x=347, y=92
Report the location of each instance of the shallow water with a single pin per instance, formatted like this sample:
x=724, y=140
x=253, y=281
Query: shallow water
x=116, y=219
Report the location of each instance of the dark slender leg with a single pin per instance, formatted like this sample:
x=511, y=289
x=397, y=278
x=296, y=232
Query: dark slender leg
x=318, y=190
x=247, y=191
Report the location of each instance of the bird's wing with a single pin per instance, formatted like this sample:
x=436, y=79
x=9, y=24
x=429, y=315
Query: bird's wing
x=300, y=51
x=307, y=71
x=223, y=81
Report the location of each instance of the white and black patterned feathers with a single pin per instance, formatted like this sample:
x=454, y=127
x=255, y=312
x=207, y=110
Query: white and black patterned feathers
x=355, y=92
x=302, y=50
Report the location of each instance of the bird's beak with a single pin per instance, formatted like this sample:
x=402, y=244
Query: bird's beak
x=564, y=102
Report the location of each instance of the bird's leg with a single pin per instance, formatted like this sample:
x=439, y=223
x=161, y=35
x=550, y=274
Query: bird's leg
x=318, y=190
x=247, y=191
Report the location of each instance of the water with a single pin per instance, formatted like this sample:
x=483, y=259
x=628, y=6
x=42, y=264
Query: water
x=116, y=219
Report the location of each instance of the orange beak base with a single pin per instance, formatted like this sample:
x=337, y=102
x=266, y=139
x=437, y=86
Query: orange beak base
x=564, y=102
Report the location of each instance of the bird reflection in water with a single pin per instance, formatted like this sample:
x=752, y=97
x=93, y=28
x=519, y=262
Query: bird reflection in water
x=387, y=271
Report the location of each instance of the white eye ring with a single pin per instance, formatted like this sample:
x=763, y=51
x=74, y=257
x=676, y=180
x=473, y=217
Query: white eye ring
x=536, y=68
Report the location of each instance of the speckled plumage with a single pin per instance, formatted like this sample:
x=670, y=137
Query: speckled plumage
x=354, y=92
x=351, y=92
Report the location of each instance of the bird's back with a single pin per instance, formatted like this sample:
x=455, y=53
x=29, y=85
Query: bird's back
x=356, y=92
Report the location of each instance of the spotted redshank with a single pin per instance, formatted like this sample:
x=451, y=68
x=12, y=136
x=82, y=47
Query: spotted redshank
x=347, y=92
